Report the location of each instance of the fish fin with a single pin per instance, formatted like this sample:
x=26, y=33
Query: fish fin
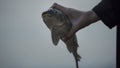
x=55, y=37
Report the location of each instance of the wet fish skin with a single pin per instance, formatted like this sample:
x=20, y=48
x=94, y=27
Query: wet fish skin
x=59, y=25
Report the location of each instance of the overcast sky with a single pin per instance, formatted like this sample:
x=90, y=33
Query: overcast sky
x=25, y=41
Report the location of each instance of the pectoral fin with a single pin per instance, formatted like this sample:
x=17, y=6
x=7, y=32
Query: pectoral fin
x=55, y=37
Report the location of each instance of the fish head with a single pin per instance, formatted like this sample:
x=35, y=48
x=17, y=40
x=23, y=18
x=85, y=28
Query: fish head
x=53, y=17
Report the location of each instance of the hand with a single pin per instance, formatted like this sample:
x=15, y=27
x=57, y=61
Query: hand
x=79, y=19
x=73, y=14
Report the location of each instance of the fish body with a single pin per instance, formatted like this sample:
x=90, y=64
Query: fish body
x=59, y=25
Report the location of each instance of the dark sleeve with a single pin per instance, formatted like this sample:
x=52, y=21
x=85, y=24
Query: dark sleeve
x=108, y=12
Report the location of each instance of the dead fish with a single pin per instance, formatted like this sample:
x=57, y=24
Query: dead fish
x=59, y=25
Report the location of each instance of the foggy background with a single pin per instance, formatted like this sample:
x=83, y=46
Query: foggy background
x=25, y=41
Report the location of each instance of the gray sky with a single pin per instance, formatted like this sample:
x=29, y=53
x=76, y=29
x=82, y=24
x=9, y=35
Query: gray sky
x=25, y=41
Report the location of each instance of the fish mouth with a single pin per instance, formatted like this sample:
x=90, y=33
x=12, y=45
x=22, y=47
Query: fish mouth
x=49, y=12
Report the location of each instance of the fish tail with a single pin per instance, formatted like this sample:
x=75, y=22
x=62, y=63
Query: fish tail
x=77, y=58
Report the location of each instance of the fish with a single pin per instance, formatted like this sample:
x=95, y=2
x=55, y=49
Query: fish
x=59, y=25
